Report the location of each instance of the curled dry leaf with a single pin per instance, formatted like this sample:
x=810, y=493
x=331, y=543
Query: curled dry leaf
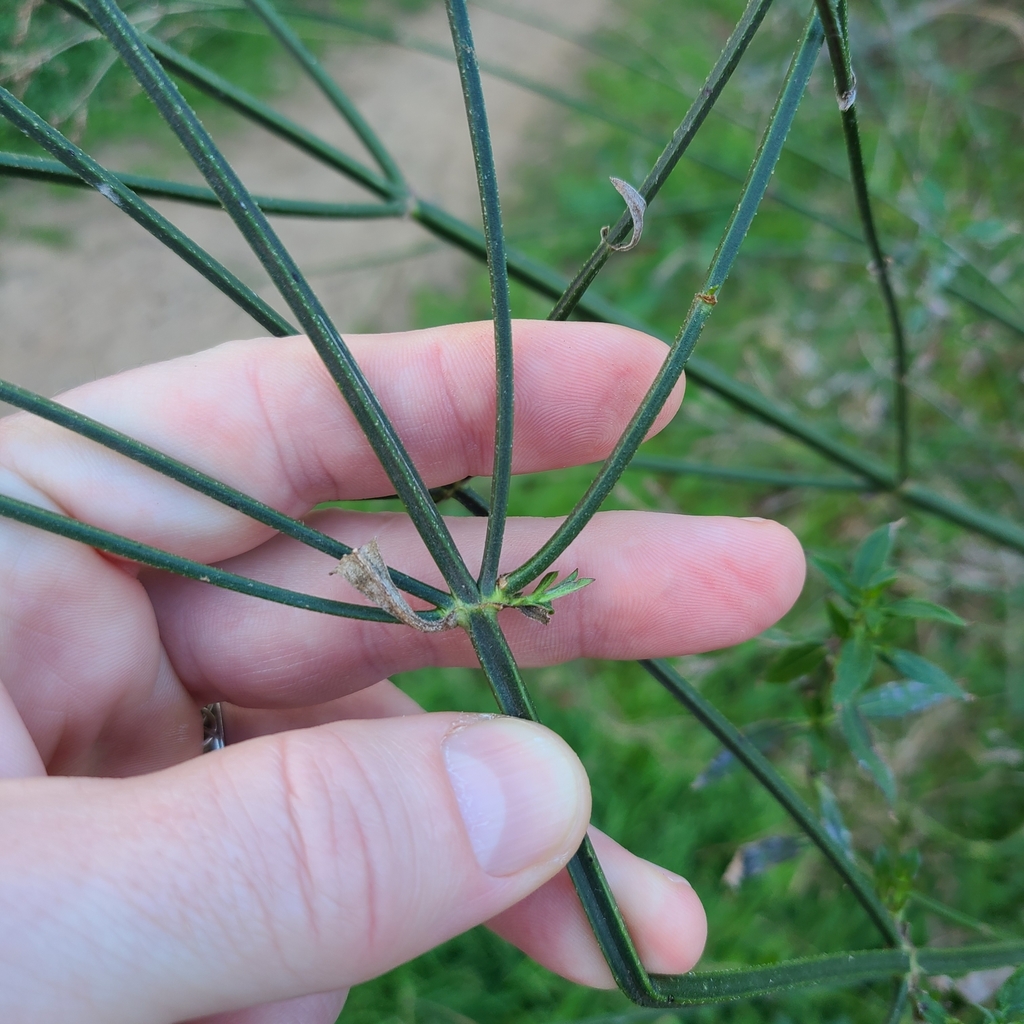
x=367, y=571
x=637, y=206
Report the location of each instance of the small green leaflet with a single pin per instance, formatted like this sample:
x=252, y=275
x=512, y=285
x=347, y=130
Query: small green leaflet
x=837, y=577
x=913, y=666
x=895, y=700
x=853, y=670
x=838, y=620
x=932, y=1010
x=538, y=605
x=918, y=608
x=863, y=749
x=795, y=661
x=870, y=558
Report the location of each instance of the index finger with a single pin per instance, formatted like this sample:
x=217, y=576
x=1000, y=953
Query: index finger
x=264, y=416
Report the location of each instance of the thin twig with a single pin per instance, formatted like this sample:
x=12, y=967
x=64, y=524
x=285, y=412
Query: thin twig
x=660, y=464
x=546, y=281
x=837, y=37
x=201, y=483
x=283, y=31
x=36, y=168
x=899, y=1002
x=681, y=139
x=235, y=98
x=700, y=310
x=294, y=289
x=144, y=554
x=741, y=747
x=497, y=269
x=110, y=187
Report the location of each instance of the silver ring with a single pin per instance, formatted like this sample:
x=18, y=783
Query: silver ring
x=213, y=728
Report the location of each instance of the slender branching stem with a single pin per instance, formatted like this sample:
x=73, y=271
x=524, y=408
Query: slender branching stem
x=464, y=495
x=35, y=168
x=501, y=310
x=933, y=906
x=761, y=768
x=679, y=467
x=291, y=42
x=700, y=310
x=147, y=57
x=284, y=272
x=720, y=74
x=89, y=171
x=835, y=970
x=899, y=1002
x=499, y=665
x=220, y=89
x=833, y=15
x=144, y=554
x=546, y=281
x=22, y=398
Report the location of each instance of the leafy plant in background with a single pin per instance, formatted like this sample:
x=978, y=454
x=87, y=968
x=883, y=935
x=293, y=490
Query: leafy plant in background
x=835, y=675
x=835, y=678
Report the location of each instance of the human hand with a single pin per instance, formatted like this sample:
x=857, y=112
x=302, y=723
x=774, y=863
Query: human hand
x=342, y=831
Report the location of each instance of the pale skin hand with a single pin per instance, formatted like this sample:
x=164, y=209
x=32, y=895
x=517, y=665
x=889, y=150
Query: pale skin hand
x=342, y=831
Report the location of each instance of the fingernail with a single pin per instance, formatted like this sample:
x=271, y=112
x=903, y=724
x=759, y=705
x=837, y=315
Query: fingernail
x=521, y=791
x=672, y=876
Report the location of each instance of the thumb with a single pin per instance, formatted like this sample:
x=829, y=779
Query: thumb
x=297, y=863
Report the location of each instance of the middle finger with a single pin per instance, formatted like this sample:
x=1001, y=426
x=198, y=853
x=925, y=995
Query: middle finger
x=665, y=585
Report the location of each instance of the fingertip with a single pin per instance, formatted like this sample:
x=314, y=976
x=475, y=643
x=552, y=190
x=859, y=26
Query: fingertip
x=782, y=556
x=663, y=913
x=676, y=925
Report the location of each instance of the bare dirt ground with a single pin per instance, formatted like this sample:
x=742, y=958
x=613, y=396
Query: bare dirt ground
x=85, y=292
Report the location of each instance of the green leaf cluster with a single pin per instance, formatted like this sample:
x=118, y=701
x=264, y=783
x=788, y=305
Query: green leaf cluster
x=837, y=674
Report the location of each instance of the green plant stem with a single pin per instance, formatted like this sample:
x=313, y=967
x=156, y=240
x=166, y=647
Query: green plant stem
x=499, y=665
x=703, y=372
x=34, y=168
x=546, y=281
x=587, y=877
x=248, y=106
x=958, y=917
x=218, y=88
x=836, y=969
x=719, y=75
x=464, y=495
x=775, y=193
x=899, y=1002
x=369, y=138
x=45, y=408
x=90, y=172
x=295, y=290
x=700, y=310
x=761, y=768
x=833, y=18
x=610, y=930
x=144, y=554
x=660, y=464
x=497, y=269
